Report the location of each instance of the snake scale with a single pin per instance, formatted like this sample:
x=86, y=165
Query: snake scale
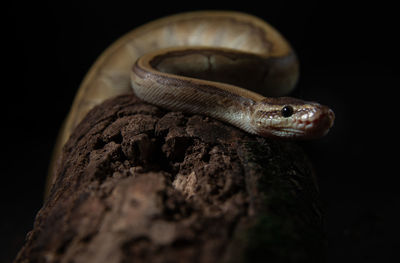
x=227, y=65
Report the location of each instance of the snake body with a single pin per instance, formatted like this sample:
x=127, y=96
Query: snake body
x=217, y=63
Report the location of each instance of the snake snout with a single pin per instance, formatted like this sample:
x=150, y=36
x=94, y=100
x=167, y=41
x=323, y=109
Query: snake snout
x=323, y=121
x=331, y=117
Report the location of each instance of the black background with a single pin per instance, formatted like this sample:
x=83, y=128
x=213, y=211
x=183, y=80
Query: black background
x=348, y=53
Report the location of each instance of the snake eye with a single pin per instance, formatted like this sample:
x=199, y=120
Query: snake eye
x=287, y=111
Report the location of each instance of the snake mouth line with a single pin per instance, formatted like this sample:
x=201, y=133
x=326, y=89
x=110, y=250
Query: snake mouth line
x=304, y=125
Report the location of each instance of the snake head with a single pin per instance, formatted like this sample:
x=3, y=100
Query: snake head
x=291, y=118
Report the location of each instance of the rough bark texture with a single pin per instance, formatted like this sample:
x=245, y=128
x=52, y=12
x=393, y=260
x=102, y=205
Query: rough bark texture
x=139, y=184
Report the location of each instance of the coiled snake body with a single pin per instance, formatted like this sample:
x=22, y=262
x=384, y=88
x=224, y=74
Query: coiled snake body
x=215, y=63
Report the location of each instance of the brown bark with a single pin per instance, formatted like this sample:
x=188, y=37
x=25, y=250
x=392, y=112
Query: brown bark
x=139, y=184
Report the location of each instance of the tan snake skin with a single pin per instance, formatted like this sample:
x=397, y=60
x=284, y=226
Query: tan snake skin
x=205, y=49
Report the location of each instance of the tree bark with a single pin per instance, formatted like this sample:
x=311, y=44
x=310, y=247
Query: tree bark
x=136, y=183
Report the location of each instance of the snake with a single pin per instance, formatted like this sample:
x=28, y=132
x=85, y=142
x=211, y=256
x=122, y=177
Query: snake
x=228, y=65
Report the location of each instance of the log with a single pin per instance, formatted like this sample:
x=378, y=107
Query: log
x=136, y=183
